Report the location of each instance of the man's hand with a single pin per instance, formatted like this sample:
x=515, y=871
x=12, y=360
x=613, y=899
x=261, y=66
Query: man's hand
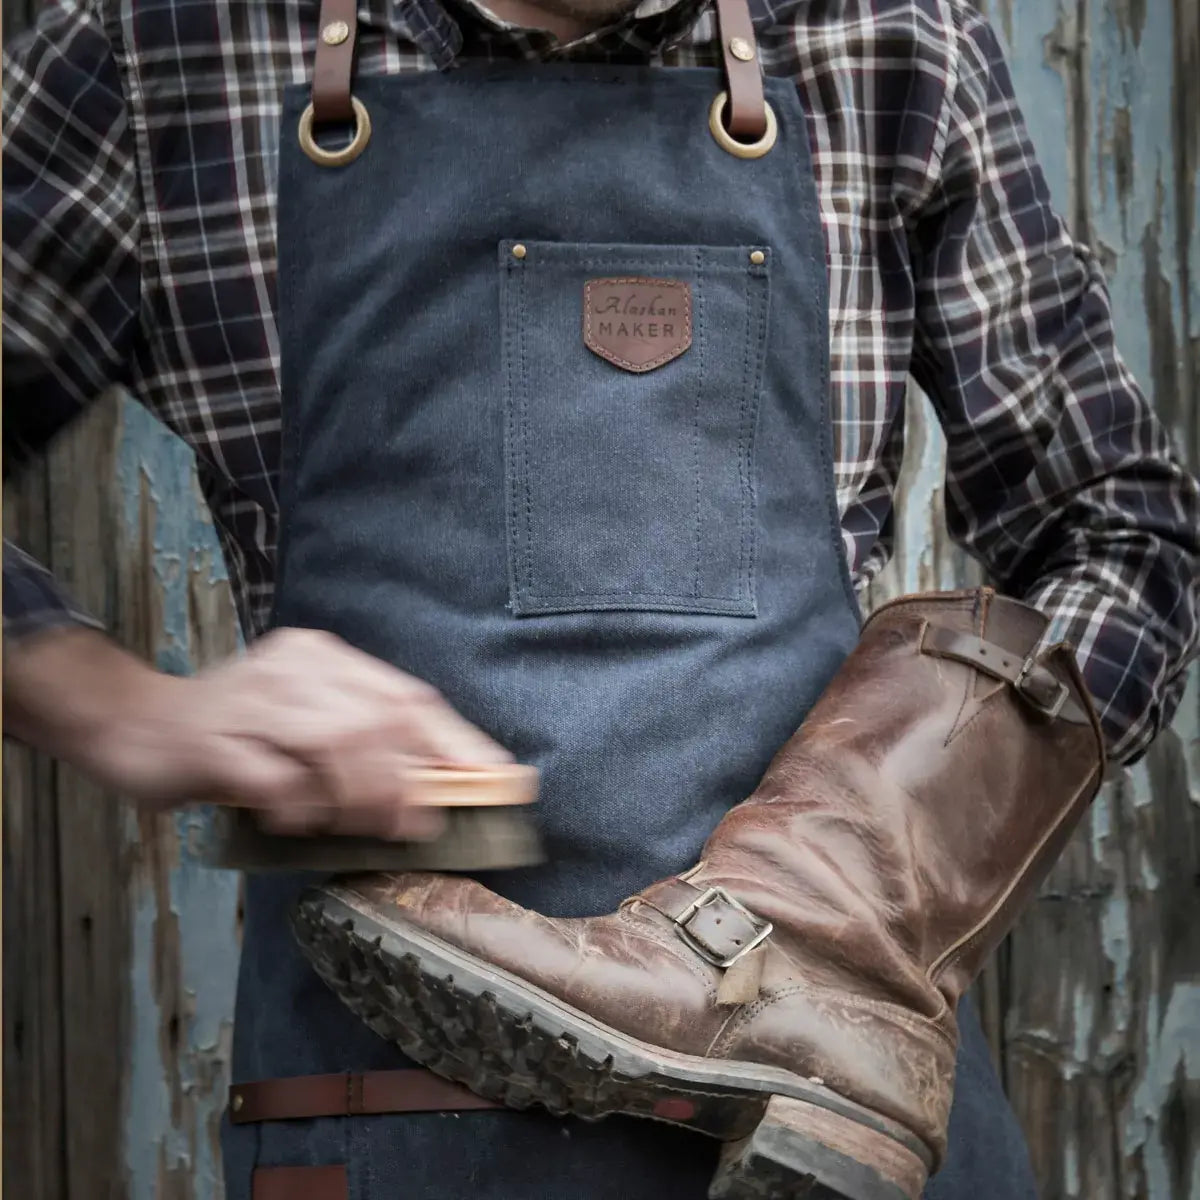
x=313, y=734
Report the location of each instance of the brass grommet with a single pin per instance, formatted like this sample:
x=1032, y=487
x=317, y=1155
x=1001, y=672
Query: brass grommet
x=519, y=251
x=237, y=1102
x=335, y=33
x=741, y=49
x=730, y=144
x=757, y=257
x=349, y=152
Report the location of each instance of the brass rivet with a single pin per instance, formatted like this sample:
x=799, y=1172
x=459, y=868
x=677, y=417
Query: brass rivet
x=335, y=33
x=741, y=49
x=757, y=257
x=519, y=251
x=238, y=1102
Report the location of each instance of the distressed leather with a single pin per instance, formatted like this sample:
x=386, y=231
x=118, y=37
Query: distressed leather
x=891, y=843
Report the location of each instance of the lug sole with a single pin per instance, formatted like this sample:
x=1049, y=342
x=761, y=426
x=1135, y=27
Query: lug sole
x=510, y=1042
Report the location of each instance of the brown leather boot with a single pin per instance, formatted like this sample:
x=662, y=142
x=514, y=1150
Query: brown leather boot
x=794, y=993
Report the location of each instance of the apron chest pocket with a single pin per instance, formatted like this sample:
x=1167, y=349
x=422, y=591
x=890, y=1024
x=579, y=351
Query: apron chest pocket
x=631, y=383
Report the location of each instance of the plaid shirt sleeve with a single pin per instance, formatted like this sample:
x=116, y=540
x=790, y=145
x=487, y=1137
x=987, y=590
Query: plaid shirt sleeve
x=1060, y=478
x=71, y=275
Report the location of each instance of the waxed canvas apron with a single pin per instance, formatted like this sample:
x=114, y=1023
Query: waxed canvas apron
x=557, y=440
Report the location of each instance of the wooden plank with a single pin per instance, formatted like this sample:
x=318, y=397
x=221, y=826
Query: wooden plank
x=184, y=918
x=127, y=946
x=34, y=1118
x=1105, y=1011
x=94, y=929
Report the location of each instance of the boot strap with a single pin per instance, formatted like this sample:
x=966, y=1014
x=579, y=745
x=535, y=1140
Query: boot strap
x=1037, y=685
x=709, y=920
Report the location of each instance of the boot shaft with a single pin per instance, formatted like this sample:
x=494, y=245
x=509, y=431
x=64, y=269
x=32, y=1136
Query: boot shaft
x=926, y=795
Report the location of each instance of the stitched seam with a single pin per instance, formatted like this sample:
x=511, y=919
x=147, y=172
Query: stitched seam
x=516, y=550
x=723, y=1038
x=525, y=439
x=982, y=702
x=569, y=260
x=637, y=368
x=954, y=601
x=962, y=708
x=578, y=597
x=741, y=449
x=751, y=424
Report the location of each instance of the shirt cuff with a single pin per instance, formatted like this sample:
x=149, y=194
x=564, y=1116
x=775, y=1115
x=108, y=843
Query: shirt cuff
x=1122, y=662
x=34, y=601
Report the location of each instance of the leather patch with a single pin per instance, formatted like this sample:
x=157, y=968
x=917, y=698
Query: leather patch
x=300, y=1183
x=637, y=324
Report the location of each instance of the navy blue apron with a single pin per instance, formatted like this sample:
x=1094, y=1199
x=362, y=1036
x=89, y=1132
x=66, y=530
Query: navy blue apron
x=632, y=578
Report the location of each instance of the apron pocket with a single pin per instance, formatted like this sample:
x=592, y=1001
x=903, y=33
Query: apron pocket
x=631, y=382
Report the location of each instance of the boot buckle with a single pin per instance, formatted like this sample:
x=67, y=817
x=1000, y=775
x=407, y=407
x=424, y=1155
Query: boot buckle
x=1033, y=691
x=721, y=929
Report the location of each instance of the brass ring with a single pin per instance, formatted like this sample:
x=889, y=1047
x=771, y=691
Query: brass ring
x=730, y=144
x=349, y=152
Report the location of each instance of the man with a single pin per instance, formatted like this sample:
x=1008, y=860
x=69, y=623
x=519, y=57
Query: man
x=592, y=345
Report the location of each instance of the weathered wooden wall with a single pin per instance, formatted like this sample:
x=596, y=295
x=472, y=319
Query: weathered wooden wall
x=1094, y=1004
x=119, y=950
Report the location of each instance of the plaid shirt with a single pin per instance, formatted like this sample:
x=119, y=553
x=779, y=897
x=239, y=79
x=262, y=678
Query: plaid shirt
x=139, y=234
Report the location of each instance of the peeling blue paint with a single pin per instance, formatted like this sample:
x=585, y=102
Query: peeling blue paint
x=1115, y=941
x=1082, y=1022
x=198, y=924
x=1172, y=1054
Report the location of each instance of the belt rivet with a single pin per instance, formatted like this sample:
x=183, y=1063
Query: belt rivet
x=741, y=49
x=519, y=251
x=237, y=1102
x=757, y=257
x=335, y=33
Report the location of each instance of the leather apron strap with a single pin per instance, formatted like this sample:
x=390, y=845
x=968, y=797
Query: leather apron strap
x=333, y=70
x=370, y=1093
x=745, y=116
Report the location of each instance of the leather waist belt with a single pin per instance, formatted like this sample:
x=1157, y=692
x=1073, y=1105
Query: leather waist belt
x=370, y=1093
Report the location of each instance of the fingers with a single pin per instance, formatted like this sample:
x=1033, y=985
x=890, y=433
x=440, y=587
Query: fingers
x=371, y=797
x=320, y=737
x=288, y=796
x=322, y=691
x=352, y=795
